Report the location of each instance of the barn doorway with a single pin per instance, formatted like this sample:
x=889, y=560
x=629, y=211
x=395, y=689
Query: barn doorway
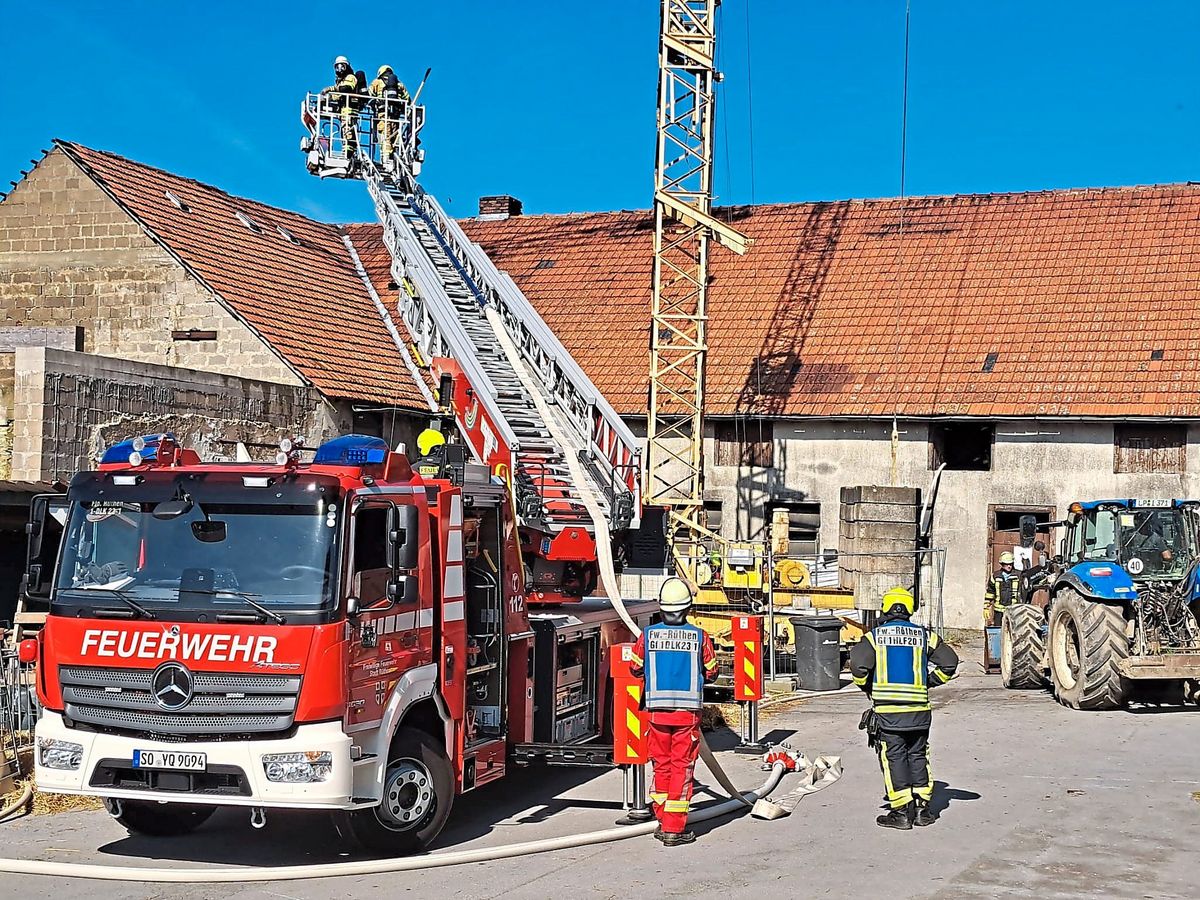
x=1004, y=532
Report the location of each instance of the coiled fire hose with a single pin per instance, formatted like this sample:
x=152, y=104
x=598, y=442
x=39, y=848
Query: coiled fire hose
x=18, y=804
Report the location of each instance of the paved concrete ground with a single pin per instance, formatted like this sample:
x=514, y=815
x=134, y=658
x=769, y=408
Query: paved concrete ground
x=1037, y=801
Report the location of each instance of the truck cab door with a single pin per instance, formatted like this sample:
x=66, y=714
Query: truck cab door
x=384, y=594
x=45, y=531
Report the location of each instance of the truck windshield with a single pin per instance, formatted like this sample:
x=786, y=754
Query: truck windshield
x=194, y=557
x=1149, y=543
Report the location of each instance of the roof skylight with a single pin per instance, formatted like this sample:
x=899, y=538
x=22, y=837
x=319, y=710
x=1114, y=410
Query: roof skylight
x=176, y=202
x=249, y=222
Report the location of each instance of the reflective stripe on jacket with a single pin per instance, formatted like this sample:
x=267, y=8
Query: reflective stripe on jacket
x=674, y=667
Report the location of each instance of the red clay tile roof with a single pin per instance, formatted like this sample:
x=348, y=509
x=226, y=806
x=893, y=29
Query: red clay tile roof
x=1036, y=304
x=1055, y=303
x=305, y=299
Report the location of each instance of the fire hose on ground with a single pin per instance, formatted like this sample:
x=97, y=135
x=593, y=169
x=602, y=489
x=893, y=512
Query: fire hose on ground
x=404, y=864
x=20, y=803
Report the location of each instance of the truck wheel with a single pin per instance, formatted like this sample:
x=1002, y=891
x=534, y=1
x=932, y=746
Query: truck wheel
x=418, y=791
x=1022, y=647
x=162, y=819
x=1087, y=640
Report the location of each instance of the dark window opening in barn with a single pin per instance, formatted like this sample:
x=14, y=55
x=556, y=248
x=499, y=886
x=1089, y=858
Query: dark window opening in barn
x=368, y=421
x=712, y=515
x=744, y=442
x=795, y=528
x=962, y=446
x=1160, y=449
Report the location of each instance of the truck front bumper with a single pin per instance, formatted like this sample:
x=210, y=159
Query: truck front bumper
x=235, y=775
x=1167, y=665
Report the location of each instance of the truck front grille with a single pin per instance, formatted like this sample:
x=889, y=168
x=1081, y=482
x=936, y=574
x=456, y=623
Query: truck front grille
x=122, y=700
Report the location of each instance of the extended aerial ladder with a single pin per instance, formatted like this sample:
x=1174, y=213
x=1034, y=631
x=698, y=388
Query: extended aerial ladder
x=460, y=310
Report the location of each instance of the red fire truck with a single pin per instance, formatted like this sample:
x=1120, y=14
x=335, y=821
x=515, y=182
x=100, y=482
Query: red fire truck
x=341, y=635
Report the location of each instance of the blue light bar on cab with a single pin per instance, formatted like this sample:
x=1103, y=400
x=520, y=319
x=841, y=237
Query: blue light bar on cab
x=352, y=450
x=147, y=451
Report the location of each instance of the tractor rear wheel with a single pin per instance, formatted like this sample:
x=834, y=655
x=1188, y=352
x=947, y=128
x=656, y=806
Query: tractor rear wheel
x=1022, y=647
x=1087, y=640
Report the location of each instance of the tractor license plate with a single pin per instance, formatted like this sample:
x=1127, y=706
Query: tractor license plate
x=1152, y=504
x=179, y=760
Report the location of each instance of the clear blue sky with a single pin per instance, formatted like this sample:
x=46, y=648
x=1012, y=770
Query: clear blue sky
x=554, y=102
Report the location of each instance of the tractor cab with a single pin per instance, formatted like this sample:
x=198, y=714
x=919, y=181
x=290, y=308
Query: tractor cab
x=1151, y=540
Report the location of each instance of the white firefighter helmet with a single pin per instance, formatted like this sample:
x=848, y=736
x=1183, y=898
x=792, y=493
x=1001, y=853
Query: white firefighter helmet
x=674, y=596
x=341, y=61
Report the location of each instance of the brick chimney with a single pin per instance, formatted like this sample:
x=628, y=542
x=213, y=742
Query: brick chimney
x=501, y=206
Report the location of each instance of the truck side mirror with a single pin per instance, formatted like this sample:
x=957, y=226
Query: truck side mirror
x=404, y=537
x=46, y=527
x=403, y=590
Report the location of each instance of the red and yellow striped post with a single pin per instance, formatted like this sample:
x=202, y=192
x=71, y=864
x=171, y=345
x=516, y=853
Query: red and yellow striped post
x=747, y=634
x=631, y=724
x=631, y=734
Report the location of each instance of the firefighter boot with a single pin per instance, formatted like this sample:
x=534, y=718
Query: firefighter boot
x=679, y=839
x=901, y=817
x=924, y=816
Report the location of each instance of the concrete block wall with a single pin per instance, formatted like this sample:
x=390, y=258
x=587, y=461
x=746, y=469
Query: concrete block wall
x=70, y=406
x=71, y=256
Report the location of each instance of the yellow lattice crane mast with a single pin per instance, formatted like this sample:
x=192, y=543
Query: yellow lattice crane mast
x=683, y=228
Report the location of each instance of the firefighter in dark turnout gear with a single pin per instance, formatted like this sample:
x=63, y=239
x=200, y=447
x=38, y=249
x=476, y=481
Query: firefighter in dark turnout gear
x=387, y=93
x=344, y=98
x=896, y=663
x=676, y=660
x=1003, y=591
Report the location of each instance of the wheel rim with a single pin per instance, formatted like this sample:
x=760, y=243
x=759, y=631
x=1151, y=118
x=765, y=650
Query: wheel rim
x=408, y=795
x=1066, y=652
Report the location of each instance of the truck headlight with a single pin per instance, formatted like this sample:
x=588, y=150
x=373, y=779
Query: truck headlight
x=55, y=754
x=298, y=768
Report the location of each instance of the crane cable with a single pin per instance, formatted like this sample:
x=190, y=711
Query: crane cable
x=895, y=434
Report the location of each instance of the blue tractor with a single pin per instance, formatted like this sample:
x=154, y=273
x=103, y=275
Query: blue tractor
x=1117, y=605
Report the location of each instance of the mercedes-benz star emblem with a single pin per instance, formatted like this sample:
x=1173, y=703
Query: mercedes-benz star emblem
x=172, y=686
